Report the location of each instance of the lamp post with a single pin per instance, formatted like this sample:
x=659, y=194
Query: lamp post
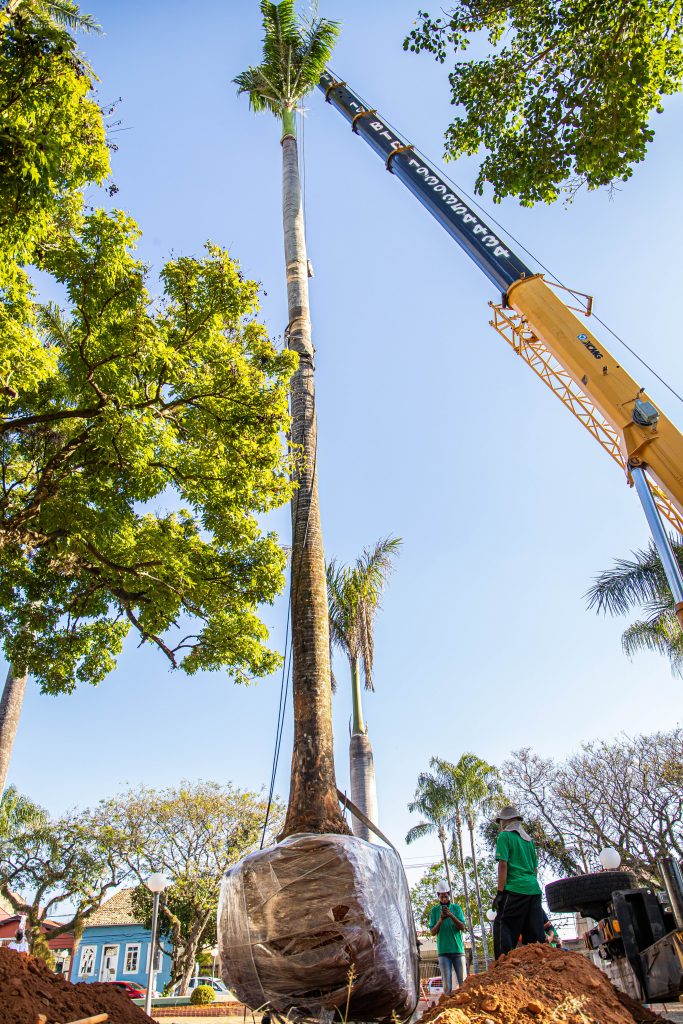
x=214, y=954
x=156, y=884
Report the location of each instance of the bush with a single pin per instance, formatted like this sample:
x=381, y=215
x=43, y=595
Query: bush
x=202, y=994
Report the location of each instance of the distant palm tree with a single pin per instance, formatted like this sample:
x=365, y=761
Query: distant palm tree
x=17, y=811
x=642, y=582
x=476, y=785
x=449, y=779
x=431, y=802
x=353, y=595
x=11, y=703
x=294, y=56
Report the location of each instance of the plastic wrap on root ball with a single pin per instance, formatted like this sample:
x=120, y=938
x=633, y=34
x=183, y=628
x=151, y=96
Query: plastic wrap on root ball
x=295, y=919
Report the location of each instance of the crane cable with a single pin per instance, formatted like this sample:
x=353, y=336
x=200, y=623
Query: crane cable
x=557, y=280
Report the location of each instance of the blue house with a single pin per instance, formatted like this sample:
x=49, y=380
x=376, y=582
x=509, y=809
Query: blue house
x=115, y=947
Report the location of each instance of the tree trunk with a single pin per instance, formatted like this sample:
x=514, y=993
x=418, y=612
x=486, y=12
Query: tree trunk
x=10, y=712
x=466, y=890
x=313, y=804
x=442, y=840
x=482, y=919
x=190, y=954
x=363, y=784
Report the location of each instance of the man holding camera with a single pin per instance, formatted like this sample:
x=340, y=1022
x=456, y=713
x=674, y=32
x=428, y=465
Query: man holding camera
x=447, y=922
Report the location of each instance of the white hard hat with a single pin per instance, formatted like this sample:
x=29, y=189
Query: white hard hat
x=443, y=886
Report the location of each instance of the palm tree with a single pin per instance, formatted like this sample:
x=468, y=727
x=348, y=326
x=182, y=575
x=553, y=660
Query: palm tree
x=642, y=582
x=294, y=56
x=353, y=595
x=476, y=785
x=431, y=802
x=10, y=711
x=17, y=811
x=449, y=780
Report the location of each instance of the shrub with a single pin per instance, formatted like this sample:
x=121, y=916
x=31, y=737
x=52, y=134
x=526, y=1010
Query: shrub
x=202, y=994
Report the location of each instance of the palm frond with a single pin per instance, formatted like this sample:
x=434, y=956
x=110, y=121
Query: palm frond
x=294, y=56
x=661, y=635
x=425, y=828
x=630, y=583
x=67, y=14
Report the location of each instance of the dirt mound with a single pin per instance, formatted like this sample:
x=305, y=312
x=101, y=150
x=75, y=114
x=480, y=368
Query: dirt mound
x=539, y=984
x=28, y=987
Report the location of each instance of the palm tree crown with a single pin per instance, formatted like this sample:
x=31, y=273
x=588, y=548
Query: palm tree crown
x=294, y=57
x=642, y=581
x=354, y=594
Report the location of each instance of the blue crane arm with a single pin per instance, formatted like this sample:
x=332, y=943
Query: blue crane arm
x=490, y=253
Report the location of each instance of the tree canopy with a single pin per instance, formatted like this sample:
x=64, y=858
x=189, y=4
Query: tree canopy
x=140, y=435
x=564, y=93
x=627, y=794
x=192, y=833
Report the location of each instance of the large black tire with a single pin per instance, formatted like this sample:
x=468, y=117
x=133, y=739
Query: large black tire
x=587, y=894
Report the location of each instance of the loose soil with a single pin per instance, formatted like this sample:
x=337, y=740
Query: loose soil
x=539, y=984
x=28, y=987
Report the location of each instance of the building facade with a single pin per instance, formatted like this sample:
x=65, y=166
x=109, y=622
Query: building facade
x=115, y=947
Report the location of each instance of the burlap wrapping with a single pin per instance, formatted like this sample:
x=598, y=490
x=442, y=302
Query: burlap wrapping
x=294, y=919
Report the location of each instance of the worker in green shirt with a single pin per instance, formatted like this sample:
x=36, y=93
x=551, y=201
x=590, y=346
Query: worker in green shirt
x=447, y=922
x=518, y=900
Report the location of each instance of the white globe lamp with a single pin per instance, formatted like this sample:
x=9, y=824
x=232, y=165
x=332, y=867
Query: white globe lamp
x=609, y=858
x=490, y=915
x=156, y=883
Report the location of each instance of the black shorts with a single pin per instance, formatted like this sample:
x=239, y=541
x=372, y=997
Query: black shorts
x=518, y=915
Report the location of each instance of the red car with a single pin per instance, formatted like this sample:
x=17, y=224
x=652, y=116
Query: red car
x=131, y=988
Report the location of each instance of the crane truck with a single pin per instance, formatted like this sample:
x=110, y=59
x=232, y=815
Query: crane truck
x=544, y=330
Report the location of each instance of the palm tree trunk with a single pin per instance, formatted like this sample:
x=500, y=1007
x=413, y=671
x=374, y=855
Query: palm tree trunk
x=356, y=699
x=10, y=712
x=482, y=919
x=442, y=840
x=363, y=783
x=313, y=804
x=466, y=891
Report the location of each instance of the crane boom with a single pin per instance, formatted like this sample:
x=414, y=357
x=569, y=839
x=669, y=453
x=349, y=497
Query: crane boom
x=544, y=331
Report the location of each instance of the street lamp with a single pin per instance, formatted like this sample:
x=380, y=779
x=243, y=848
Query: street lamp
x=156, y=884
x=214, y=954
x=609, y=858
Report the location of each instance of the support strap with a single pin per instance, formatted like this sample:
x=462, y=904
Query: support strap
x=357, y=117
x=363, y=818
x=395, y=152
x=331, y=86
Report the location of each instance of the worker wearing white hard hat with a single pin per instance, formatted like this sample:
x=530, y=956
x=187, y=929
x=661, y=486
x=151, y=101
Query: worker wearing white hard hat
x=518, y=900
x=447, y=922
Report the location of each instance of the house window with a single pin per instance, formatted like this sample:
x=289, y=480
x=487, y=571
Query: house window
x=132, y=958
x=87, y=967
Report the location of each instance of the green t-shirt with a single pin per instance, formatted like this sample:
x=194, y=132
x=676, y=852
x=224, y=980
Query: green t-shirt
x=522, y=863
x=449, y=938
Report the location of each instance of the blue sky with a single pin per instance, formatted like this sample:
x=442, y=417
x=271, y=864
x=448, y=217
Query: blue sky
x=430, y=429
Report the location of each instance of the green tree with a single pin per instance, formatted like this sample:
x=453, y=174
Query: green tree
x=17, y=812
x=641, y=582
x=353, y=595
x=565, y=93
x=123, y=406
x=66, y=862
x=52, y=143
x=182, y=402
x=191, y=833
x=294, y=56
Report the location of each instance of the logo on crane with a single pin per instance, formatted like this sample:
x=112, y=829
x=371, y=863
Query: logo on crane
x=587, y=343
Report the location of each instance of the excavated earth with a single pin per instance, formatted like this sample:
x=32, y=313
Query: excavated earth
x=539, y=984
x=28, y=988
